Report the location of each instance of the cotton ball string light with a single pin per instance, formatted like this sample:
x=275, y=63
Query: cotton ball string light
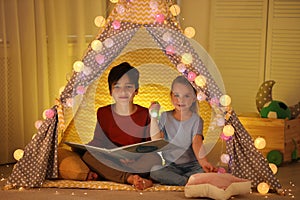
x=100, y=21
x=108, y=43
x=181, y=67
x=114, y=1
x=228, y=130
x=159, y=18
x=49, y=113
x=167, y=37
x=96, y=45
x=18, y=154
x=260, y=143
x=273, y=168
x=175, y=10
x=225, y=158
x=187, y=58
x=120, y=9
x=263, y=188
x=200, y=81
x=116, y=24
x=201, y=96
x=78, y=66
x=225, y=100
x=170, y=50
x=189, y=32
x=38, y=124
x=191, y=76
x=100, y=58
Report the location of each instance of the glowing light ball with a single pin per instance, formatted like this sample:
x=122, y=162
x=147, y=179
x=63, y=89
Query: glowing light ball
x=214, y=101
x=100, y=58
x=38, y=124
x=170, y=49
x=273, y=168
x=187, y=58
x=260, y=143
x=108, y=42
x=189, y=32
x=263, y=188
x=18, y=154
x=159, y=18
x=220, y=121
x=69, y=102
x=191, y=76
x=78, y=66
x=100, y=21
x=114, y=1
x=153, y=5
x=175, y=10
x=181, y=67
x=200, y=81
x=96, y=45
x=225, y=158
x=116, y=24
x=225, y=100
x=228, y=130
x=167, y=37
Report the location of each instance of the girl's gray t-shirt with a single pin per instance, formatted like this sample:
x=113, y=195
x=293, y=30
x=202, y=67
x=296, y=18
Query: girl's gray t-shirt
x=181, y=134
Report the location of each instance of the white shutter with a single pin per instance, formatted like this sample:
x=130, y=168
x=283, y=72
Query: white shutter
x=283, y=50
x=237, y=45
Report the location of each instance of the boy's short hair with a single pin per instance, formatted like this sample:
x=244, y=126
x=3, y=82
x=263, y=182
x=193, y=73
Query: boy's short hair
x=119, y=70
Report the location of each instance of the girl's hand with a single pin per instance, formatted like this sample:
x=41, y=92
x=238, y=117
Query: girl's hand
x=206, y=166
x=154, y=109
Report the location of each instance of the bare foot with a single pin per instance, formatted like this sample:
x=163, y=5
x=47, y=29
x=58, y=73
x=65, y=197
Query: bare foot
x=92, y=176
x=139, y=182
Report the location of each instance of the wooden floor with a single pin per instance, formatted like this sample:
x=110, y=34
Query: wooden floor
x=288, y=175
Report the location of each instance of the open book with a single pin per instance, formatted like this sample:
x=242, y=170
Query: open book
x=128, y=151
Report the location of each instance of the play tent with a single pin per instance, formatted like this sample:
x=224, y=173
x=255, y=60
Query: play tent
x=145, y=34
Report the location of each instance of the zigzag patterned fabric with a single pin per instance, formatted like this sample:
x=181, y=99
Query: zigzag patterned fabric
x=141, y=39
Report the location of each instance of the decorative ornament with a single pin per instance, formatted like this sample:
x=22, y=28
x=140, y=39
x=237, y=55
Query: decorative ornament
x=228, y=130
x=187, y=58
x=18, y=154
x=191, y=76
x=96, y=45
x=100, y=21
x=78, y=66
x=159, y=18
x=200, y=81
x=189, y=32
x=100, y=58
x=175, y=10
x=116, y=24
x=260, y=143
x=263, y=188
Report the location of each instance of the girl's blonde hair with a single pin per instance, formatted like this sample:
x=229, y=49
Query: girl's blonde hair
x=183, y=80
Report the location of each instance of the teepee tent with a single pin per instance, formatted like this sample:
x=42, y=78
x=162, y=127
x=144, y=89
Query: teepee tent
x=145, y=34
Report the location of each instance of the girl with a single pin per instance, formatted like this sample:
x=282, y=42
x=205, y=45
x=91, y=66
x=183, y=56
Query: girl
x=183, y=128
x=119, y=124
